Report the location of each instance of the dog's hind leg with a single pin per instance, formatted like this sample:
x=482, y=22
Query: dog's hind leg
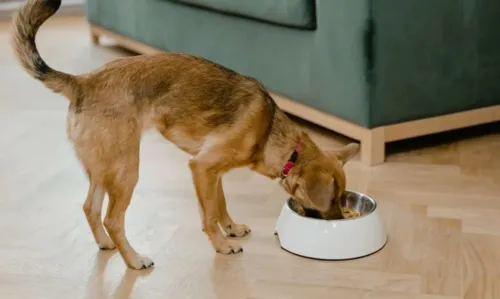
x=232, y=229
x=120, y=182
x=109, y=150
x=93, y=209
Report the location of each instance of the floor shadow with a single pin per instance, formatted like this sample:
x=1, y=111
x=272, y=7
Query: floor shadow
x=96, y=286
x=229, y=278
x=443, y=138
x=126, y=286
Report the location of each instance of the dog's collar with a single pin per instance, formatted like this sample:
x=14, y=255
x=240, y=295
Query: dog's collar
x=291, y=161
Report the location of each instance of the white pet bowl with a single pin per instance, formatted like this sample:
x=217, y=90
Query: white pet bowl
x=333, y=239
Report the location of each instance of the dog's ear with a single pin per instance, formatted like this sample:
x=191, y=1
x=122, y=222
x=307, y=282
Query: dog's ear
x=345, y=153
x=316, y=188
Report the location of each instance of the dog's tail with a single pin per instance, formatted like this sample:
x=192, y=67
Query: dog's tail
x=25, y=25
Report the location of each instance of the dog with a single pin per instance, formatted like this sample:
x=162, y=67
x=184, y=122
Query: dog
x=222, y=119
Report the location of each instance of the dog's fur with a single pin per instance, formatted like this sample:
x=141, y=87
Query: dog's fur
x=221, y=118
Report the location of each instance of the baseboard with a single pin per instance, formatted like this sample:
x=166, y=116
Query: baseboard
x=68, y=7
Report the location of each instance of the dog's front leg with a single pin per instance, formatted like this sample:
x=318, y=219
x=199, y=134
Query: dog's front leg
x=232, y=229
x=206, y=179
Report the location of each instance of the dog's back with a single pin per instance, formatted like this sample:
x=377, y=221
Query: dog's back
x=186, y=97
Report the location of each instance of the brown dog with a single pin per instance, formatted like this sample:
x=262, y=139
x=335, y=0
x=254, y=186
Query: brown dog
x=223, y=119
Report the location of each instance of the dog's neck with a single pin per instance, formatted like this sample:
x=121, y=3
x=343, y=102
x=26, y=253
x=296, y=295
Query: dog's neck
x=280, y=144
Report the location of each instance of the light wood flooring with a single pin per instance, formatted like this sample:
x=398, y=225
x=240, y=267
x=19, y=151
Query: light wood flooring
x=440, y=203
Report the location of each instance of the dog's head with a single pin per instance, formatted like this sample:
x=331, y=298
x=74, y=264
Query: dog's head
x=321, y=179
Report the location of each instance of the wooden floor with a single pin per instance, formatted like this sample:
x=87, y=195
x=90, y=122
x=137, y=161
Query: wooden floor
x=440, y=203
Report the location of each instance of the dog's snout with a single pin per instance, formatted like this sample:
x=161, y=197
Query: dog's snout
x=325, y=206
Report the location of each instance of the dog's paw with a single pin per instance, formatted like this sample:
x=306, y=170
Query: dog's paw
x=106, y=245
x=141, y=262
x=227, y=248
x=237, y=230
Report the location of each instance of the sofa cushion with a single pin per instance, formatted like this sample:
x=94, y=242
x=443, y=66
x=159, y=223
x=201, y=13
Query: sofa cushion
x=292, y=13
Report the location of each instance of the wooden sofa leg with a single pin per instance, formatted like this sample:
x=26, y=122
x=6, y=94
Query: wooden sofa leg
x=95, y=37
x=373, y=147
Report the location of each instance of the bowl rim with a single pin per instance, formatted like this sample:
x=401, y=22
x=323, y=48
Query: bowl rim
x=375, y=206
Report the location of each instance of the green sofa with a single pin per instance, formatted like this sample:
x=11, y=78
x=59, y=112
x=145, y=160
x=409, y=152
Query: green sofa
x=374, y=70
